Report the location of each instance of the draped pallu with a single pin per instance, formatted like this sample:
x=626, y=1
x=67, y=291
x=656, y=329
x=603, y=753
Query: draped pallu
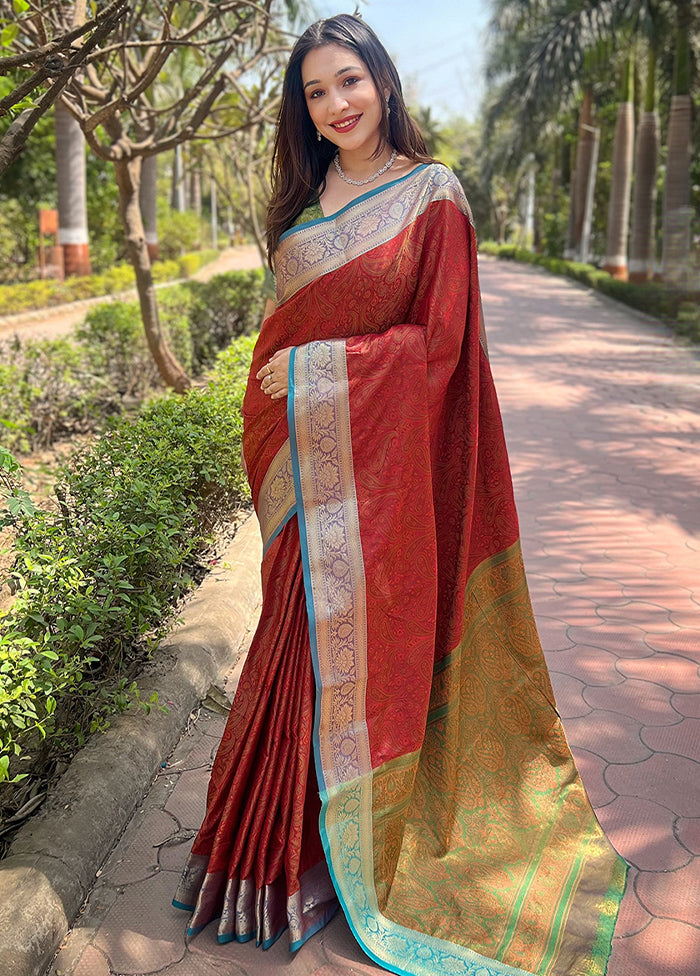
x=454, y=827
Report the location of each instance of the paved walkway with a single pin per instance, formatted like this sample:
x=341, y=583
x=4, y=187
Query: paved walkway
x=602, y=415
x=62, y=319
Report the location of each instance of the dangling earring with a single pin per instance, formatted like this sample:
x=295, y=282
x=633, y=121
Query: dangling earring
x=318, y=136
x=388, y=108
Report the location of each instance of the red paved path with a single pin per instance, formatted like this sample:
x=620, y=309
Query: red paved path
x=602, y=415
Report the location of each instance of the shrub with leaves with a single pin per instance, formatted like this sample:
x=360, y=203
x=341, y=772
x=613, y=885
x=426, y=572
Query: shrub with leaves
x=15, y=500
x=96, y=577
x=48, y=391
x=227, y=306
x=55, y=388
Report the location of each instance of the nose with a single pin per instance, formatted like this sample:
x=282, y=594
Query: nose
x=338, y=101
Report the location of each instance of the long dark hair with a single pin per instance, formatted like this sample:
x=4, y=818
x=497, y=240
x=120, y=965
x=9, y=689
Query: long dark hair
x=299, y=160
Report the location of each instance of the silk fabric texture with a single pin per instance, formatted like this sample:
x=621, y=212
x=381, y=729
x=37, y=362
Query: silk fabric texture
x=397, y=640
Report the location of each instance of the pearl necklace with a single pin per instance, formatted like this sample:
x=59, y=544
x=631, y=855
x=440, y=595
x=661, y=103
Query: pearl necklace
x=371, y=179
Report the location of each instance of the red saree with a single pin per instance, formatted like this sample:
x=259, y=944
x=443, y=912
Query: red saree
x=396, y=637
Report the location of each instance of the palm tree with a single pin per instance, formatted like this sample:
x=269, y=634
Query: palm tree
x=619, y=207
x=542, y=49
x=71, y=181
x=583, y=182
x=549, y=56
x=676, y=235
x=643, y=241
x=72, y=198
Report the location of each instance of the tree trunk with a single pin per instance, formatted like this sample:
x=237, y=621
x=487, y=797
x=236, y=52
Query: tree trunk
x=619, y=207
x=128, y=176
x=643, y=243
x=177, y=193
x=677, y=210
x=585, y=247
x=72, y=193
x=581, y=176
x=148, y=193
x=252, y=203
x=196, y=190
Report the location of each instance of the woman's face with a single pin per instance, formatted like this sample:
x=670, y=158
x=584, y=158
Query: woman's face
x=341, y=97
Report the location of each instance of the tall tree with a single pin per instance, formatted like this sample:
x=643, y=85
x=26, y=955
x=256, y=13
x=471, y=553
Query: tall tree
x=643, y=239
x=676, y=236
x=148, y=195
x=72, y=196
x=539, y=50
x=623, y=155
x=113, y=101
x=71, y=184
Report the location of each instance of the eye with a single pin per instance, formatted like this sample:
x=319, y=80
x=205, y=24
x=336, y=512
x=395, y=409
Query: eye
x=316, y=94
x=352, y=80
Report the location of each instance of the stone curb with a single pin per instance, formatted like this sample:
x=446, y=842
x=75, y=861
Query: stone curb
x=53, y=861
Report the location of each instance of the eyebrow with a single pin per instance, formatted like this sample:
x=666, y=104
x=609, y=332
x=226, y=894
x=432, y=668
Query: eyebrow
x=342, y=71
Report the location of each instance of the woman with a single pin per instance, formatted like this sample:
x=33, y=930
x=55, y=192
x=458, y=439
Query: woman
x=396, y=638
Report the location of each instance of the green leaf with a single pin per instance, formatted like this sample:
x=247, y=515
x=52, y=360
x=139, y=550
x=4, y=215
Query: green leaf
x=9, y=33
x=21, y=6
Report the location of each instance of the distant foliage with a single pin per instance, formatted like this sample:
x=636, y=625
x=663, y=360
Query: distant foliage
x=47, y=292
x=178, y=232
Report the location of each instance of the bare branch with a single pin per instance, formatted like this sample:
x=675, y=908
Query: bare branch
x=17, y=134
x=117, y=9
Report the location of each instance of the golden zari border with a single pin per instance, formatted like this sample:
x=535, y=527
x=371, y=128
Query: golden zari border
x=276, y=501
x=311, y=250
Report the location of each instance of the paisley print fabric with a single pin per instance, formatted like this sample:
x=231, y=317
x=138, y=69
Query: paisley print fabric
x=452, y=826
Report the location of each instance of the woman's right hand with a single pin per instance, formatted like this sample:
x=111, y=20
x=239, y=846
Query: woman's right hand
x=274, y=375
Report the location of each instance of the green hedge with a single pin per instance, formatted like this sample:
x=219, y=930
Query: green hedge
x=54, y=388
x=678, y=309
x=39, y=294
x=95, y=578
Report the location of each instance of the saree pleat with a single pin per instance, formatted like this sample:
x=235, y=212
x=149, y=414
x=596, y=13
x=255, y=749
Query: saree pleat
x=397, y=640
x=257, y=863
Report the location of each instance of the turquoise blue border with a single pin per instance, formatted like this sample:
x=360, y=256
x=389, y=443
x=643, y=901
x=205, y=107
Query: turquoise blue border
x=317, y=673
x=292, y=511
x=316, y=927
x=301, y=519
x=363, y=196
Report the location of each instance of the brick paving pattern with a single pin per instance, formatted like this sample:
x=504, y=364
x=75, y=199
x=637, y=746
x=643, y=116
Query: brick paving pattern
x=602, y=415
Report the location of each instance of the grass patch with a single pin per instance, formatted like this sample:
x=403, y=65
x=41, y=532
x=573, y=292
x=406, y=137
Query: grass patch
x=46, y=292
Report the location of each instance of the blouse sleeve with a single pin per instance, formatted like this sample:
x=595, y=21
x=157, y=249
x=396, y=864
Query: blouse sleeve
x=269, y=288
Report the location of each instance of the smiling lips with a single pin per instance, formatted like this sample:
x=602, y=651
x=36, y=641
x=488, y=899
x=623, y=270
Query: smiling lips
x=344, y=125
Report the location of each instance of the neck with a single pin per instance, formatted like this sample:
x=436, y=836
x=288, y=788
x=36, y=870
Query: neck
x=358, y=165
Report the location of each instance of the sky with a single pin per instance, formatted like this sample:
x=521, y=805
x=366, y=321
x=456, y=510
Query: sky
x=437, y=46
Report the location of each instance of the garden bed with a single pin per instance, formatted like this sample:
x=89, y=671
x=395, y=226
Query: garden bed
x=130, y=526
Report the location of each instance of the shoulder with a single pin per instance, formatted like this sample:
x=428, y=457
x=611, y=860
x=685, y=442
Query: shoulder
x=440, y=183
